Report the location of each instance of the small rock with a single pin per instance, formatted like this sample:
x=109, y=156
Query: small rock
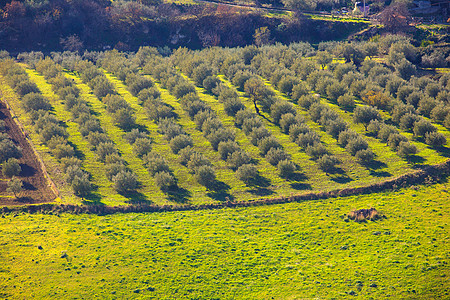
x=63, y=254
x=150, y=288
x=137, y=291
x=352, y=293
x=40, y=247
x=376, y=232
x=374, y=285
x=345, y=247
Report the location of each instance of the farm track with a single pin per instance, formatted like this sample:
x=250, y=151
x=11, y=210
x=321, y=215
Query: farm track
x=89, y=159
x=148, y=190
x=36, y=182
x=197, y=192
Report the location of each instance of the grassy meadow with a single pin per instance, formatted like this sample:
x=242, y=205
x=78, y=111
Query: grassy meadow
x=291, y=251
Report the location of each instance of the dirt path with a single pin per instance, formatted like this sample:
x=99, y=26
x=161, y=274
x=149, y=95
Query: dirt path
x=36, y=186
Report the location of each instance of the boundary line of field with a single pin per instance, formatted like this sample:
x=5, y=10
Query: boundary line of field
x=427, y=175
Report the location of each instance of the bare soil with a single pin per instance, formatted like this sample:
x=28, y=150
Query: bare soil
x=36, y=187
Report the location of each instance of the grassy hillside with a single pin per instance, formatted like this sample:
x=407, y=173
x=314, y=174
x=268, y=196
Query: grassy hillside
x=289, y=251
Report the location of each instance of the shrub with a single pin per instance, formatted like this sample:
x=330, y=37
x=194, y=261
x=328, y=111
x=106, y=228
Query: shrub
x=9, y=150
x=170, y=129
x=142, y=146
x=275, y=155
x=247, y=173
x=113, y=169
x=422, y=127
x=227, y=148
x=268, y=143
x=405, y=149
x=72, y=172
x=440, y=112
x=385, y=132
x=197, y=160
x=34, y=101
x=104, y=149
x=63, y=150
x=14, y=186
x=296, y=129
x=205, y=176
x=356, y=145
x=165, y=181
x=307, y=101
x=251, y=124
x=81, y=185
x=407, y=121
x=346, y=101
x=335, y=127
x=211, y=124
x=336, y=90
x=286, y=121
x=180, y=142
x=374, y=127
x=220, y=135
x=133, y=135
x=280, y=108
x=26, y=87
x=125, y=182
x=232, y=106
x=365, y=114
x=155, y=163
x=307, y=139
x=95, y=138
x=124, y=118
x=286, y=168
x=405, y=69
x=101, y=87
x=300, y=89
x=68, y=162
x=183, y=89
x=327, y=163
x=91, y=125
x=259, y=134
x=11, y=168
x=210, y=83
x=316, y=151
x=237, y=159
x=243, y=115
x=395, y=139
x=435, y=139
x=365, y=156
x=346, y=136
x=185, y=155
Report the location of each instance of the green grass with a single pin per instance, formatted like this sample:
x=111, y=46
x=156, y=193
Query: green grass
x=105, y=192
x=290, y=251
x=148, y=191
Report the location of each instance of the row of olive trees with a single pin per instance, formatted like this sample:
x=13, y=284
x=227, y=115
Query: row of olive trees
x=148, y=95
x=90, y=128
x=50, y=129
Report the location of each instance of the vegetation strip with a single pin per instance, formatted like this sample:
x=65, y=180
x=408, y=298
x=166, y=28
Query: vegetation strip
x=427, y=175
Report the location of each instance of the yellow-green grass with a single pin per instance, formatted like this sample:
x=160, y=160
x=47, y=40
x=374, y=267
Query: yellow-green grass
x=105, y=191
x=52, y=165
x=148, y=190
x=427, y=154
x=316, y=178
x=198, y=193
x=288, y=251
x=239, y=191
x=266, y=169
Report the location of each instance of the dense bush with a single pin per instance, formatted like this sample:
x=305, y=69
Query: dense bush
x=11, y=168
x=205, y=176
x=247, y=173
x=180, y=141
x=165, y=181
x=125, y=182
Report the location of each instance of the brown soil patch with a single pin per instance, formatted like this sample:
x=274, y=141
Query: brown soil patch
x=37, y=188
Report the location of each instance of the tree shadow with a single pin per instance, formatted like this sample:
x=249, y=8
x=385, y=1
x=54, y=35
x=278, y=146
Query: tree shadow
x=261, y=191
x=92, y=199
x=374, y=164
x=301, y=186
x=341, y=179
x=26, y=170
x=443, y=150
x=259, y=181
x=136, y=197
x=297, y=176
x=415, y=159
x=28, y=186
x=178, y=194
x=380, y=173
x=218, y=190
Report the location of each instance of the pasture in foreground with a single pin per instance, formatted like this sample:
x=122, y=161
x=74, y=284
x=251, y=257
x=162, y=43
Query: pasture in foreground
x=289, y=251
